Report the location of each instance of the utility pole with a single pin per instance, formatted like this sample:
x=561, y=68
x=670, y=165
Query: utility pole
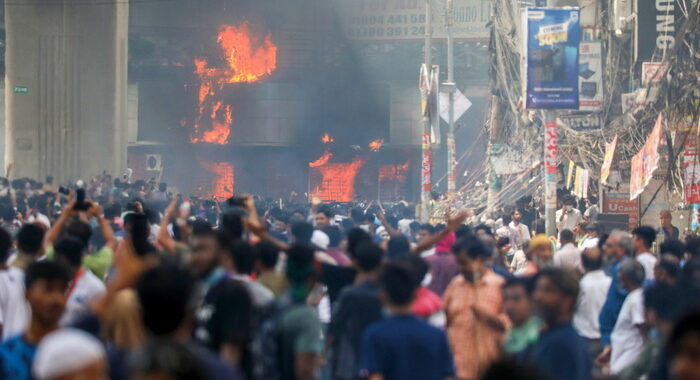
x=451, y=86
x=550, y=171
x=494, y=140
x=427, y=155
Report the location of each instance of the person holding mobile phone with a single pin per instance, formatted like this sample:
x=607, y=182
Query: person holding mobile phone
x=98, y=261
x=568, y=216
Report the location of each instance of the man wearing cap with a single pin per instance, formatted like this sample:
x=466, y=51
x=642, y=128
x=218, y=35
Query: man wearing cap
x=539, y=255
x=70, y=354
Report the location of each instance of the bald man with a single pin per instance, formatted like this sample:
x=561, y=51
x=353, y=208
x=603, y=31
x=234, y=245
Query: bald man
x=594, y=287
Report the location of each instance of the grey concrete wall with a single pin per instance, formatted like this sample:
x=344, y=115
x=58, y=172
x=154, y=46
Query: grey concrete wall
x=72, y=58
x=2, y=123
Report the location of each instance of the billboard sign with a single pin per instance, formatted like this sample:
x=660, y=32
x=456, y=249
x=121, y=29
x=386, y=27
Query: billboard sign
x=619, y=203
x=653, y=72
x=691, y=164
x=646, y=161
x=551, y=51
x=377, y=20
x=590, y=76
x=607, y=161
x=581, y=123
x=657, y=23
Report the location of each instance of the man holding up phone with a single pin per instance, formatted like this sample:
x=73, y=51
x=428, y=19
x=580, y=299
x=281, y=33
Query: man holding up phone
x=99, y=261
x=568, y=216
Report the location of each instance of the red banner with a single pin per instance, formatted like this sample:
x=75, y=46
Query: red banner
x=427, y=165
x=452, y=175
x=550, y=165
x=646, y=161
x=691, y=163
x=550, y=148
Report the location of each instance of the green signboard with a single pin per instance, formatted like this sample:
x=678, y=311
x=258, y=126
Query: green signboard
x=21, y=90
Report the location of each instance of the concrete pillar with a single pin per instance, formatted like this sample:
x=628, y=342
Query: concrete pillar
x=66, y=88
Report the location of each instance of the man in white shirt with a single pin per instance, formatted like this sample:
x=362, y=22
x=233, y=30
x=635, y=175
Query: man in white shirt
x=405, y=223
x=506, y=230
x=84, y=288
x=642, y=239
x=568, y=217
x=628, y=335
x=592, y=235
x=33, y=214
x=520, y=228
x=568, y=256
x=593, y=290
x=14, y=311
x=426, y=231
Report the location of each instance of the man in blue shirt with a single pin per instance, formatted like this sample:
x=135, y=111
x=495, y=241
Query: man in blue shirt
x=46, y=283
x=617, y=248
x=403, y=347
x=560, y=353
x=357, y=308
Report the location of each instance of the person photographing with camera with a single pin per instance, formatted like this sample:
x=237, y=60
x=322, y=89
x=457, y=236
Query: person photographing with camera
x=74, y=221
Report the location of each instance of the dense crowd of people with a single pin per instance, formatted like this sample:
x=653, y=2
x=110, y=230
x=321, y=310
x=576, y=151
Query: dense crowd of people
x=110, y=279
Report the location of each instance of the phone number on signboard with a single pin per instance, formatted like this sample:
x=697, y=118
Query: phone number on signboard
x=386, y=31
x=381, y=19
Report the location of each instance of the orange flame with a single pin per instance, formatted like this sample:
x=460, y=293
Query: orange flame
x=219, y=132
x=398, y=173
x=326, y=138
x=247, y=60
x=246, y=64
x=222, y=184
x=337, y=180
x=375, y=145
x=321, y=160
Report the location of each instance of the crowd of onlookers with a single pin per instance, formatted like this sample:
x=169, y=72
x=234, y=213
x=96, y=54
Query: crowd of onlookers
x=112, y=279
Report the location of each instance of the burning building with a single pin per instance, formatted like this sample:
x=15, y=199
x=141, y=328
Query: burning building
x=274, y=98
x=243, y=59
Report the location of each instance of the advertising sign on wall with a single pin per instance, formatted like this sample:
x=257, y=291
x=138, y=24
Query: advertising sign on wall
x=657, y=23
x=691, y=163
x=607, y=160
x=646, y=161
x=551, y=51
x=590, y=76
x=581, y=123
x=653, y=72
x=635, y=101
x=619, y=203
x=405, y=19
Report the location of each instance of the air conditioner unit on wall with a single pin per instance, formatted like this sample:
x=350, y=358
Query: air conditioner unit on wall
x=153, y=162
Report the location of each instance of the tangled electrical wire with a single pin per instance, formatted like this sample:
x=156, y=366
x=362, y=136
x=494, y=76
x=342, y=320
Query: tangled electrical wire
x=677, y=96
